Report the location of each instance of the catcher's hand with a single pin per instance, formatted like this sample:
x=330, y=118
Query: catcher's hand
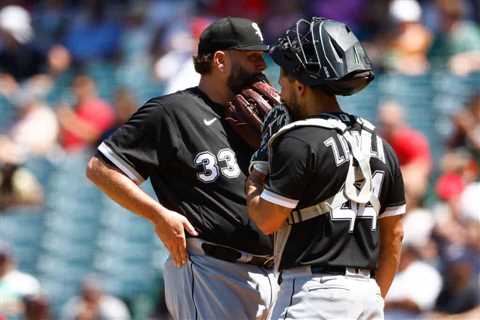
x=245, y=113
x=274, y=121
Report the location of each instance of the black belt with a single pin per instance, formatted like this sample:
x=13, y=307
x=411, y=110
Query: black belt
x=336, y=270
x=232, y=255
x=331, y=270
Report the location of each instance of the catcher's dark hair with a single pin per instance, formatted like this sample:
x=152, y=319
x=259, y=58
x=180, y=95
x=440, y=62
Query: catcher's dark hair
x=288, y=74
x=203, y=63
x=291, y=77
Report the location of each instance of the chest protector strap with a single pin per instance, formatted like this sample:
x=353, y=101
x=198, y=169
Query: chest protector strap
x=358, y=186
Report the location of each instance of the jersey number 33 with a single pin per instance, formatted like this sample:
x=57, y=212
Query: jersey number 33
x=211, y=166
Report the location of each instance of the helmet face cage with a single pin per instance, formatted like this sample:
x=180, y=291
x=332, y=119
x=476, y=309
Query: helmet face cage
x=297, y=43
x=309, y=50
x=321, y=52
x=292, y=53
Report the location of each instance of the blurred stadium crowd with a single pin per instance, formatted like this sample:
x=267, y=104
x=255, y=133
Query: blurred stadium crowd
x=72, y=71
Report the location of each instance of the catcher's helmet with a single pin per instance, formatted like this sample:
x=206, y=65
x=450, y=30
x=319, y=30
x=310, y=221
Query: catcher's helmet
x=325, y=53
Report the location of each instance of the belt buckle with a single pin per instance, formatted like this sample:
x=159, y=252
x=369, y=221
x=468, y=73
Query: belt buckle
x=268, y=263
x=357, y=272
x=261, y=261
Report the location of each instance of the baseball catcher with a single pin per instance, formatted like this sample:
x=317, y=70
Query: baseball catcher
x=332, y=191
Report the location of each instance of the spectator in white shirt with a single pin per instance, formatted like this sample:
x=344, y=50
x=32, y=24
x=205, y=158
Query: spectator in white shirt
x=93, y=303
x=15, y=286
x=415, y=287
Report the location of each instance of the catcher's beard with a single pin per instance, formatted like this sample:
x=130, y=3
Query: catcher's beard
x=294, y=109
x=240, y=78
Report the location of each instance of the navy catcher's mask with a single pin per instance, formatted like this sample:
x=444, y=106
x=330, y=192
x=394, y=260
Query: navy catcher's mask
x=324, y=53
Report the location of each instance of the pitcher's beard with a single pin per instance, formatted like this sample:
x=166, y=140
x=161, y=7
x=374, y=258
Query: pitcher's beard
x=239, y=79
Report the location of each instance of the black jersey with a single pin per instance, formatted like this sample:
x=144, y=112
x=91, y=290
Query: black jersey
x=308, y=166
x=196, y=164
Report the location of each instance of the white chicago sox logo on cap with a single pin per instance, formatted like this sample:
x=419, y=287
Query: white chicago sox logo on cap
x=257, y=30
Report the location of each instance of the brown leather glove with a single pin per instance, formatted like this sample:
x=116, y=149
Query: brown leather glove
x=247, y=110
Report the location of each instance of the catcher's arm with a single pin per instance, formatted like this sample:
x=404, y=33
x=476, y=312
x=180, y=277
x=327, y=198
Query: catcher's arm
x=268, y=216
x=391, y=235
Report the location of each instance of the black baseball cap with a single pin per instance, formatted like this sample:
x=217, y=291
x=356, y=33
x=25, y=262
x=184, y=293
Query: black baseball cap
x=231, y=33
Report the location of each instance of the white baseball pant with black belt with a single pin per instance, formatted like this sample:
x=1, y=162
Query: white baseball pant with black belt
x=206, y=288
x=308, y=296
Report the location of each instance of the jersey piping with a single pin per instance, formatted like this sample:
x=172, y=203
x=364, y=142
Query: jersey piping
x=278, y=199
x=120, y=163
x=394, y=211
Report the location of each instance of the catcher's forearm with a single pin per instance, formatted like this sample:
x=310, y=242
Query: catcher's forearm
x=123, y=191
x=391, y=235
x=253, y=189
x=269, y=217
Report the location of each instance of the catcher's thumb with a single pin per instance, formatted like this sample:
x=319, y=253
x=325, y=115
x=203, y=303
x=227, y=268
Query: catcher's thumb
x=189, y=228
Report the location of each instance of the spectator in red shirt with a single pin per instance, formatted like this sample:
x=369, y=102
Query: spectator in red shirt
x=83, y=124
x=255, y=10
x=411, y=147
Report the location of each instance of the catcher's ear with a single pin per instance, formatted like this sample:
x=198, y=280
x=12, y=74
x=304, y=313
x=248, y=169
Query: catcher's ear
x=300, y=87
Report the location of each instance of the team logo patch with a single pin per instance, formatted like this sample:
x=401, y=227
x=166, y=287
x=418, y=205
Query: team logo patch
x=257, y=30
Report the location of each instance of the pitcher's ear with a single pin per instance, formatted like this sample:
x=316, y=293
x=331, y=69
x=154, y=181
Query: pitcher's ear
x=219, y=60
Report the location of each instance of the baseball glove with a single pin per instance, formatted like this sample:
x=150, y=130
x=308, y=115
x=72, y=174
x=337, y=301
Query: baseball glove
x=274, y=121
x=245, y=113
